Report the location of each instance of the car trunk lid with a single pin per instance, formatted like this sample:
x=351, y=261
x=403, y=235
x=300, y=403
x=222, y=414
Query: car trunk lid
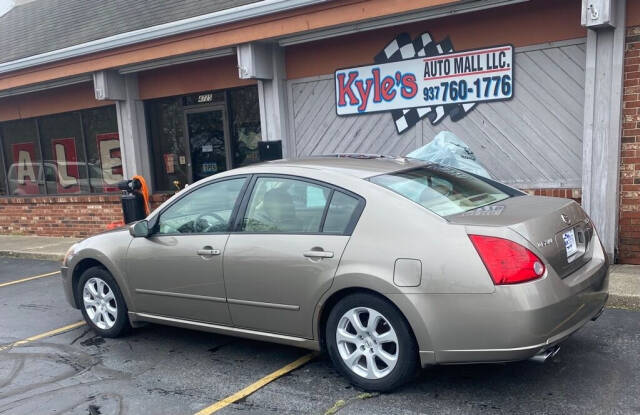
x=549, y=224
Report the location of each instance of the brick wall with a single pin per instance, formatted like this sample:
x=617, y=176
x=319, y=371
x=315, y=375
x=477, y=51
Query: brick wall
x=629, y=223
x=82, y=216
x=575, y=194
x=72, y=216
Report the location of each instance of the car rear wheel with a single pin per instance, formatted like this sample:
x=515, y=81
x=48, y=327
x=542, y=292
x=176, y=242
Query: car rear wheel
x=370, y=342
x=101, y=302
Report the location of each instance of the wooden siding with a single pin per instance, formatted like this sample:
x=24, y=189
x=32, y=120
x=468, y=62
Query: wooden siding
x=531, y=141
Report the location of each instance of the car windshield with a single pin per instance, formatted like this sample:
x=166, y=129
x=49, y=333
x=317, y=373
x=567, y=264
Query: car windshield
x=443, y=190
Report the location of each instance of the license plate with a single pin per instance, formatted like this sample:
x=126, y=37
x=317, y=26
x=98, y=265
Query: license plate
x=569, y=238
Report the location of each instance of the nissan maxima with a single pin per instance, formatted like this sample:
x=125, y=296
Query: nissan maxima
x=387, y=264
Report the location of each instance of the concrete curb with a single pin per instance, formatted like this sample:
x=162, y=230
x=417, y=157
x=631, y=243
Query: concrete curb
x=46, y=256
x=35, y=247
x=624, y=287
x=627, y=302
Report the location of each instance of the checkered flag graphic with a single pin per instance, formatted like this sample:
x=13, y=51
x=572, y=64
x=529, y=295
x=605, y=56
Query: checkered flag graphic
x=403, y=47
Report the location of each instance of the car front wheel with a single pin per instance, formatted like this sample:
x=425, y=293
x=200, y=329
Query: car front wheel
x=101, y=302
x=370, y=342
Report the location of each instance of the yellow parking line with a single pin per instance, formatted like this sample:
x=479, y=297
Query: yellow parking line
x=257, y=385
x=43, y=335
x=4, y=284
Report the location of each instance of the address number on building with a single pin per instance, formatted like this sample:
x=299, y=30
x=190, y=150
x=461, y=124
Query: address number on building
x=479, y=75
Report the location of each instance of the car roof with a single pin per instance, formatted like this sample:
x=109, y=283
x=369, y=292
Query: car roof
x=357, y=165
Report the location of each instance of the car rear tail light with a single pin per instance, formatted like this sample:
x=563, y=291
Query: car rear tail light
x=507, y=261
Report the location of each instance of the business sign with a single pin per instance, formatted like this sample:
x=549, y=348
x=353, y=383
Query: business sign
x=417, y=78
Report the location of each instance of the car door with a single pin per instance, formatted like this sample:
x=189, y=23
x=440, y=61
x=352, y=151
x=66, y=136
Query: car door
x=177, y=271
x=284, y=252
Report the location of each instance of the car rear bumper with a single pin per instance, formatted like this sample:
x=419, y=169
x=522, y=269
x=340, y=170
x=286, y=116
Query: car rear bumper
x=516, y=321
x=517, y=353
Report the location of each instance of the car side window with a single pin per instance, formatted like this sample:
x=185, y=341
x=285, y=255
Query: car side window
x=340, y=213
x=205, y=210
x=280, y=205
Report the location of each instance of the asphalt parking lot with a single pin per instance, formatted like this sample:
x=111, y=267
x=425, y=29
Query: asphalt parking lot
x=162, y=370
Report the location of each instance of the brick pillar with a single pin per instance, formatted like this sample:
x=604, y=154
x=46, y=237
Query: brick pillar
x=629, y=224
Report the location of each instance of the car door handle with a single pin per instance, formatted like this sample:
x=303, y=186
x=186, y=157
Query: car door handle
x=208, y=252
x=318, y=254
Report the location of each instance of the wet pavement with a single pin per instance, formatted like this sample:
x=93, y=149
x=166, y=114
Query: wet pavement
x=164, y=370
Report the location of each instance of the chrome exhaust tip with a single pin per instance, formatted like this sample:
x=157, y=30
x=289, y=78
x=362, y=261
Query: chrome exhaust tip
x=544, y=355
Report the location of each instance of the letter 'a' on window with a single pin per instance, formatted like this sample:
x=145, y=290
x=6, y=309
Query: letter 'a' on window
x=22, y=152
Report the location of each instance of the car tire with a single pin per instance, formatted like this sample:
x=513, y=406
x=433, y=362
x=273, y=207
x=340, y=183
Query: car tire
x=101, y=302
x=375, y=358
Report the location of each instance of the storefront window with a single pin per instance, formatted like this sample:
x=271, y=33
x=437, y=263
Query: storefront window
x=103, y=149
x=65, y=169
x=195, y=136
x=22, y=152
x=3, y=186
x=166, y=129
x=81, y=153
x=244, y=125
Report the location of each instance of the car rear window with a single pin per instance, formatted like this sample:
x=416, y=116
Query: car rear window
x=443, y=190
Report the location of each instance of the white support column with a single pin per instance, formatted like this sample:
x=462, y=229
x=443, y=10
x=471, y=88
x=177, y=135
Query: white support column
x=134, y=147
x=273, y=98
x=602, y=120
x=265, y=62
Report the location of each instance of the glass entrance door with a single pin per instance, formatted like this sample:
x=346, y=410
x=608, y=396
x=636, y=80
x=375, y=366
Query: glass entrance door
x=208, y=142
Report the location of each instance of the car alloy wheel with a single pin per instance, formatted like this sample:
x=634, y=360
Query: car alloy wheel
x=370, y=342
x=367, y=343
x=100, y=303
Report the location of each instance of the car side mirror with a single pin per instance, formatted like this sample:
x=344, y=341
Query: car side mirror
x=139, y=229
